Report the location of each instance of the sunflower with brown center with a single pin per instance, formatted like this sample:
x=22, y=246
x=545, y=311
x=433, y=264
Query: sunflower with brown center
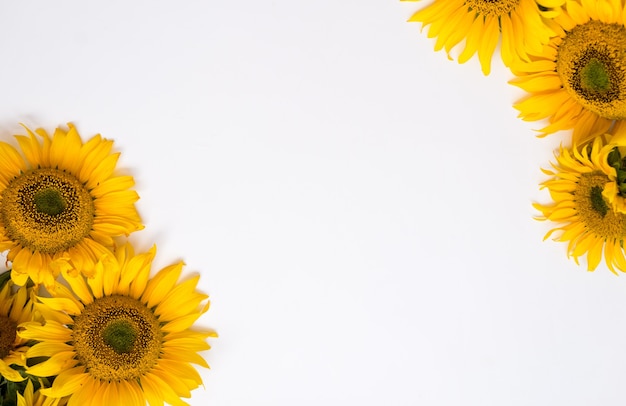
x=61, y=204
x=520, y=25
x=121, y=338
x=587, y=187
x=578, y=81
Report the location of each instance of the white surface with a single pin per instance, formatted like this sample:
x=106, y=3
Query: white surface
x=359, y=207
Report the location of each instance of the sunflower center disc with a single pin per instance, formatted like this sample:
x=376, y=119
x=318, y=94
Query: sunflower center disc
x=47, y=210
x=594, y=77
x=117, y=338
x=49, y=201
x=8, y=329
x=591, y=62
x=597, y=201
x=492, y=7
x=120, y=336
x=593, y=211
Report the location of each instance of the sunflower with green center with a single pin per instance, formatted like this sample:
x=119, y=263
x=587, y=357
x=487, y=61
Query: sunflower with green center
x=122, y=338
x=578, y=81
x=519, y=24
x=15, y=308
x=588, y=187
x=61, y=204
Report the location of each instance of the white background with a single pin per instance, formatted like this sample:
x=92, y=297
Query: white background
x=359, y=207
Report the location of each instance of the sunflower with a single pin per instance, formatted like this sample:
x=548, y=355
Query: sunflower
x=578, y=81
x=588, y=186
x=519, y=23
x=61, y=202
x=15, y=308
x=121, y=338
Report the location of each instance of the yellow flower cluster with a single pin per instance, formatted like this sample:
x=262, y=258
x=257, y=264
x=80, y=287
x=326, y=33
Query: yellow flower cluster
x=82, y=319
x=569, y=56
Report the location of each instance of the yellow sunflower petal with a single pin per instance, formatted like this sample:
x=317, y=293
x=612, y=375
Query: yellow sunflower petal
x=138, y=271
x=155, y=387
x=159, y=286
x=50, y=331
x=78, y=285
x=594, y=255
x=488, y=43
x=54, y=365
x=11, y=163
x=130, y=394
x=9, y=373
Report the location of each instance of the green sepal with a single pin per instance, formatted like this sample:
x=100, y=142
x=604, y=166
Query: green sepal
x=614, y=159
x=4, y=278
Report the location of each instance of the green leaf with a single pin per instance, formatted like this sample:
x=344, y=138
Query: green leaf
x=4, y=278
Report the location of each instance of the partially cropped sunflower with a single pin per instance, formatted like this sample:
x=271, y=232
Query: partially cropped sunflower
x=60, y=201
x=587, y=187
x=15, y=308
x=482, y=23
x=578, y=81
x=121, y=338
